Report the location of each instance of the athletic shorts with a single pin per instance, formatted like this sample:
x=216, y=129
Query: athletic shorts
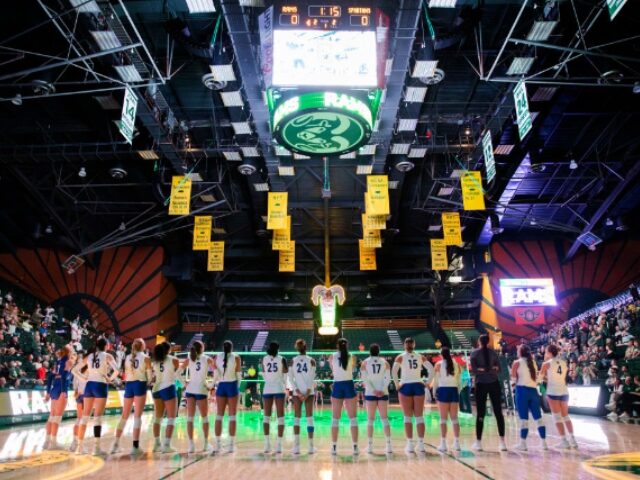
x=96, y=390
x=266, y=396
x=80, y=399
x=166, y=394
x=415, y=389
x=561, y=398
x=373, y=398
x=135, y=388
x=343, y=390
x=227, y=389
x=447, y=395
x=196, y=396
x=56, y=391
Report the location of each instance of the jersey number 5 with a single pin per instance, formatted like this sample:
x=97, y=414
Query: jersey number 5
x=413, y=363
x=272, y=367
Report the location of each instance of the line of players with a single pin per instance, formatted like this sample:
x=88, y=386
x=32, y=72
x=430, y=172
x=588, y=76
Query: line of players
x=92, y=375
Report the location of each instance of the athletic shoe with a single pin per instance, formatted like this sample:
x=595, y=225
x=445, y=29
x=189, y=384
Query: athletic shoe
x=544, y=445
x=572, y=442
x=296, y=449
x=73, y=446
x=477, y=446
x=420, y=447
x=456, y=445
x=114, y=448
x=563, y=445
x=503, y=446
x=54, y=445
x=79, y=450
x=443, y=446
x=157, y=446
x=408, y=449
x=370, y=448
x=521, y=445
x=613, y=416
x=279, y=446
x=334, y=450
x=356, y=450
x=610, y=406
x=311, y=450
x=267, y=447
x=168, y=449
x=97, y=451
x=231, y=448
x=624, y=416
x=135, y=451
x=191, y=448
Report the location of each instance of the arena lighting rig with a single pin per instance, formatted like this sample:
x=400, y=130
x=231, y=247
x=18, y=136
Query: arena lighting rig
x=323, y=69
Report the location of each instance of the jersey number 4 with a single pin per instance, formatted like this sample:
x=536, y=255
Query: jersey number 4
x=559, y=369
x=302, y=367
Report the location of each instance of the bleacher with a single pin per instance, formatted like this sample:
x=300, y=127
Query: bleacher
x=461, y=333
x=382, y=330
x=355, y=336
x=243, y=333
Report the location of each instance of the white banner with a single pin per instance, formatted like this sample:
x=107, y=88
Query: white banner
x=265, y=24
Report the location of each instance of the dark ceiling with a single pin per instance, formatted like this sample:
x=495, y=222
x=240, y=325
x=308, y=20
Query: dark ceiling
x=580, y=84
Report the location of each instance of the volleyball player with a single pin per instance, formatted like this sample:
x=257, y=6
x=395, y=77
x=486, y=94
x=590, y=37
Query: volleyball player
x=166, y=369
x=411, y=392
x=137, y=373
x=96, y=392
x=57, y=388
x=485, y=368
x=555, y=370
x=197, y=393
x=376, y=375
x=79, y=384
x=343, y=393
x=302, y=376
x=274, y=372
x=228, y=371
x=524, y=373
x=447, y=384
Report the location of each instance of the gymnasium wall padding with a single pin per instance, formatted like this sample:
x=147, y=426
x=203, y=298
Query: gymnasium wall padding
x=589, y=277
x=126, y=291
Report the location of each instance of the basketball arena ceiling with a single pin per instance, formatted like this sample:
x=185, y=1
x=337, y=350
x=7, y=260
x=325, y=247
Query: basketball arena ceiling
x=64, y=65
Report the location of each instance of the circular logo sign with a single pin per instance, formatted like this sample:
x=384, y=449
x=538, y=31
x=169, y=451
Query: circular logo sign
x=322, y=123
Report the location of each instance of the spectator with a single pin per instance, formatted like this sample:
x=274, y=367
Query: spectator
x=632, y=350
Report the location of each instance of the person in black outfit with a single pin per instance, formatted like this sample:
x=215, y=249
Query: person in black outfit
x=485, y=368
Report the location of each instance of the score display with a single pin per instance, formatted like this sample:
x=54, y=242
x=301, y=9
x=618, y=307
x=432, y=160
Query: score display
x=324, y=17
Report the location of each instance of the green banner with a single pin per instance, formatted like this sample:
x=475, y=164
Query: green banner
x=523, y=116
x=614, y=7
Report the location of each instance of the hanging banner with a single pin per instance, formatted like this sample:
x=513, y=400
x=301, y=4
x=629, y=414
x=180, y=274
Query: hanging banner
x=472, y=194
x=489, y=159
x=128, y=117
x=180, y=195
x=529, y=315
x=215, y=260
x=372, y=238
x=367, y=257
x=277, y=210
x=282, y=237
x=374, y=222
x=523, y=116
x=614, y=7
x=439, y=254
x=202, y=232
x=265, y=26
x=287, y=259
x=378, y=194
x=451, y=228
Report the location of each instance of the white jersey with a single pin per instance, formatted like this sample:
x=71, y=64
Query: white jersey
x=446, y=380
x=524, y=376
x=376, y=375
x=228, y=374
x=165, y=373
x=303, y=373
x=98, y=366
x=557, y=377
x=198, y=370
x=339, y=373
x=273, y=374
x=79, y=380
x=135, y=367
x=411, y=368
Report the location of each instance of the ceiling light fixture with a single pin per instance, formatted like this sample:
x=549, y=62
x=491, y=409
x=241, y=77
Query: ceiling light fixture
x=49, y=229
x=573, y=165
x=17, y=100
x=122, y=227
x=608, y=222
x=533, y=222
x=200, y=6
x=82, y=173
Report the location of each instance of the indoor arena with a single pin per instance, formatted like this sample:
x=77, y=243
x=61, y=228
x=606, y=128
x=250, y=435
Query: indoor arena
x=367, y=239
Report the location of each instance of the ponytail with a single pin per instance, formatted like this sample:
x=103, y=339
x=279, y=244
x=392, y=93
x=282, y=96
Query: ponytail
x=301, y=346
x=273, y=349
x=553, y=350
x=196, y=350
x=484, y=342
x=525, y=352
x=446, y=354
x=226, y=348
x=343, y=348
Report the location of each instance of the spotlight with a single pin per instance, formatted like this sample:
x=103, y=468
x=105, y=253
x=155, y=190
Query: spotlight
x=368, y=295
x=286, y=297
x=82, y=173
x=49, y=229
x=467, y=130
x=533, y=221
x=592, y=248
x=621, y=226
x=573, y=164
x=122, y=227
x=608, y=222
x=17, y=100
x=636, y=88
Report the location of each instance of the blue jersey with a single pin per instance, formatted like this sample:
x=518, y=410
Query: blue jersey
x=60, y=377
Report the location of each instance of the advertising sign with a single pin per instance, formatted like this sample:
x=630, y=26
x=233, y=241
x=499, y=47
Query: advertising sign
x=527, y=292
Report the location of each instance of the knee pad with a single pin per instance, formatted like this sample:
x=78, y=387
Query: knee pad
x=157, y=420
x=205, y=419
x=189, y=419
x=407, y=420
x=419, y=420
x=335, y=422
x=557, y=417
x=219, y=418
x=78, y=421
x=266, y=419
x=523, y=424
x=540, y=422
x=385, y=422
x=280, y=421
x=171, y=422
x=232, y=418
x=310, y=428
x=137, y=422
x=84, y=420
x=296, y=422
x=97, y=421
x=55, y=419
x=566, y=419
x=454, y=421
x=443, y=421
x=122, y=423
x=354, y=422
x=369, y=423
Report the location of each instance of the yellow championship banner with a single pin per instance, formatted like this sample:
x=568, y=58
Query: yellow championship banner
x=367, y=257
x=372, y=238
x=215, y=260
x=374, y=222
x=180, y=195
x=439, y=254
x=451, y=228
x=277, y=210
x=287, y=258
x=202, y=232
x=378, y=195
x=472, y=194
x=282, y=237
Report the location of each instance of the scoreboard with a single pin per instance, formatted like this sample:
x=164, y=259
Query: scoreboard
x=324, y=16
